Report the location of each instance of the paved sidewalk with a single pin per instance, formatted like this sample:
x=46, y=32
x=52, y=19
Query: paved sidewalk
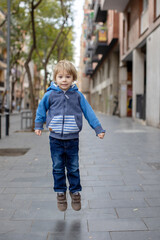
x=120, y=178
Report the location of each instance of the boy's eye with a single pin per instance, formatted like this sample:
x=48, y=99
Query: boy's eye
x=68, y=76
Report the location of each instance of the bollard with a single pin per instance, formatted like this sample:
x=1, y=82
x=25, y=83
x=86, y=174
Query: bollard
x=0, y=126
x=7, y=121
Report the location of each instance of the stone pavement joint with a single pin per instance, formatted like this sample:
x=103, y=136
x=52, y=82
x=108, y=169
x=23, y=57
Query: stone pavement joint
x=120, y=177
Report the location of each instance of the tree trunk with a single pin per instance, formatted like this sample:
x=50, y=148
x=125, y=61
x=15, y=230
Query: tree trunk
x=32, y=95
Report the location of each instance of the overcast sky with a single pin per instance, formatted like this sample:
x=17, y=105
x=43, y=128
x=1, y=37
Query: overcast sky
x=78, y=19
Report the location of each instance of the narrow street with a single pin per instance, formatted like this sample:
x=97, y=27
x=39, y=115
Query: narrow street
x=120, y=177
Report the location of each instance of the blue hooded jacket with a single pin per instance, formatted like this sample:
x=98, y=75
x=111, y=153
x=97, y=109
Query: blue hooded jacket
x=64, y=113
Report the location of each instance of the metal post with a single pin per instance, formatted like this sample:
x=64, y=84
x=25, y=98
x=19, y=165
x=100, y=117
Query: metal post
x=0, y=126
x=8, y=67
x=7, y=124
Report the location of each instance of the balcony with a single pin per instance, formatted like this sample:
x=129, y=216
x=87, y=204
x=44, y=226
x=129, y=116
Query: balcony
x=99, y=15
x=118, y=5
x=90, y=25
x=88, y=68
x=92, y=4
x=100, y=43
x=94, y=58
x=89, y=48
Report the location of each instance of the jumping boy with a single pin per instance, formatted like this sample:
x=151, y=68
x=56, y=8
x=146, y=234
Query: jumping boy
x=65, y=105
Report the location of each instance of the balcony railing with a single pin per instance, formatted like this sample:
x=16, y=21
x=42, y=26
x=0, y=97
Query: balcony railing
x=100, y=43
x=92, y=4
x=118, y=5
x=94, y=57
x=89, y=48
x=99, y=15
x=90, y=25
x=88, y=68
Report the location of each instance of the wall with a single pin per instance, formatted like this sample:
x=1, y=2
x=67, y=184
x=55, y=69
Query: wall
x=138, y=77
x=153, y=79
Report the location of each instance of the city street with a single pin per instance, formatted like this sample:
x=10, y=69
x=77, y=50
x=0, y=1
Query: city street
x=120, y=176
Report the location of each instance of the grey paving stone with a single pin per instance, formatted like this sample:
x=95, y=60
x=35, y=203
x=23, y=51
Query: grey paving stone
x=98, y=183
x=1, y=189
x=103, y=171
x=24, y=236
x=14, y=204
x=154, y=202
x=116, y=225
x=102, y=183
x=94, y=196
x=15, y=226
x=13, y=185
x=38, y=213
x=117, y=203
x=5, y=213
x=134, y=195
x=111, y=170
x=111, y=178
x=138, y=212
x=79, y=236
x=121, y=188
x=59, y=226
x=152, y=223
x=6, y=197
x=151, y=187
x=36, y=196
x=104, y=213
x=27, y=190
x=139, y=235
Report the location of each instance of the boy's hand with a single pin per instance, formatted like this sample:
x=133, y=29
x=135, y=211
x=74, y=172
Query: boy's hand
x=101, y=135
x=38, y=132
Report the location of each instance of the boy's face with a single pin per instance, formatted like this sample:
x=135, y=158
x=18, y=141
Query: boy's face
x=64, y=80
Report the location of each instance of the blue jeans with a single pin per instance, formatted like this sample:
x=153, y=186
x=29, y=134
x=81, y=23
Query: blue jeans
x=64, y=154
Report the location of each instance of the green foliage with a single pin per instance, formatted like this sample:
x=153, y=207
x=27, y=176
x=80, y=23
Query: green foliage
x=49, y=18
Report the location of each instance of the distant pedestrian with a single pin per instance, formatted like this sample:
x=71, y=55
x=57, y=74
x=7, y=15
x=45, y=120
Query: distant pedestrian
x=65, y=105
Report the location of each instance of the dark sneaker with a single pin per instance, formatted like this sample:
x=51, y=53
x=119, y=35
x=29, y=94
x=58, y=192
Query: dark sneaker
x=76, y=201
x=61, y=201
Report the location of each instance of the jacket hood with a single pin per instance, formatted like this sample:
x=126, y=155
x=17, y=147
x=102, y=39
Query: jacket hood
x=54, y=87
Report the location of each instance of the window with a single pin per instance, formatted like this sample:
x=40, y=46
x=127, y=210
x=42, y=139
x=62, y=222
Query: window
x=145, y=5
x=157, y=8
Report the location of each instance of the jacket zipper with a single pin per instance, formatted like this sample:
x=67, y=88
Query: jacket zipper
x=63, y=116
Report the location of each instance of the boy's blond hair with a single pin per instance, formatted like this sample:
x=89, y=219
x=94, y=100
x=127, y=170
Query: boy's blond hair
x=67, y=66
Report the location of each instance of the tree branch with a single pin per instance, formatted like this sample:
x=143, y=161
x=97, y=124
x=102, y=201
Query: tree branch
x=37, y=4
x=54, y=43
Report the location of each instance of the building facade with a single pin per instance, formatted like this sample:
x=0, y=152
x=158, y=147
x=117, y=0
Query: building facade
x=137, y=55
x=101, y=56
